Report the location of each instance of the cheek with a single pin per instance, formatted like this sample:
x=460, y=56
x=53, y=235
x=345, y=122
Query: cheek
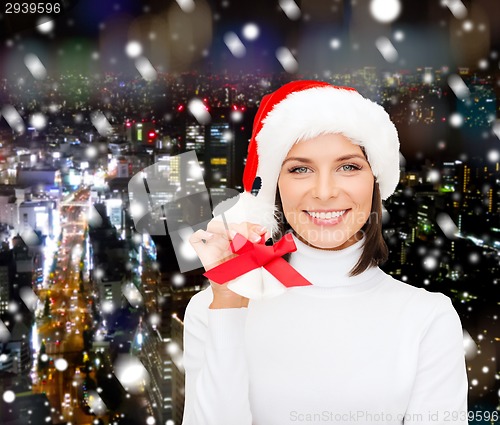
x=362, y=193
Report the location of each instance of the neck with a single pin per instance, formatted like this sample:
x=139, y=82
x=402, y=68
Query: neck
x=354, y=239
x=329, y=270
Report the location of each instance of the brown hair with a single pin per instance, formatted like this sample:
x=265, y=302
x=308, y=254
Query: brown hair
x=375, y=249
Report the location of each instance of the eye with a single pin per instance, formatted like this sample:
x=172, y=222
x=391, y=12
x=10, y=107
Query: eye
x=350, y=167
x=298, y=170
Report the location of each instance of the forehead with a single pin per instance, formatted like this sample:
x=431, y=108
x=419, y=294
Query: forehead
x=325, y=145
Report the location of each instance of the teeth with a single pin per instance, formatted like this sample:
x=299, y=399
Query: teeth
x=327, y=216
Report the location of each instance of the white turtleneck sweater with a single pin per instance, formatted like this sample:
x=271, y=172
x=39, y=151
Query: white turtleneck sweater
x=358, y=350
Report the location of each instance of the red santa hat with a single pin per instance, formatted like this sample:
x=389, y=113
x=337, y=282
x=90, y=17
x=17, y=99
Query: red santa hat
x=299, y=111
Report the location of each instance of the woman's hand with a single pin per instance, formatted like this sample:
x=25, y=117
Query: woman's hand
x=213, y=247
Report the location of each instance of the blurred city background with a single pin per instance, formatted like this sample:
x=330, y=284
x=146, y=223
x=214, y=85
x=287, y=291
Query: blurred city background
x=92, y=307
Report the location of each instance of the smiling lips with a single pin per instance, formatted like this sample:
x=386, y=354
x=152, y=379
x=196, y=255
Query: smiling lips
x=326, y=215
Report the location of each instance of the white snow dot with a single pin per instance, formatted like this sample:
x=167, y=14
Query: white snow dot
x=474, y=382
x=12, y=307
x=187, y=252
x=428, y=78
x=44, y=357
x=94, y=55
x=108, y=306
x=131, y=373
x=154, y=319
x=91, y=152
x=485, y=369
x=493, y=156
x=385, y=11
x=178, y=279
x=9, y=396
x=482, y=64
x=467, y=25
x=430, y=263
x=45, y=25
x=399, y=35
x=236, y=116
x=335, y=43
x=61, y=364
x=137, y=210
x=133, y=49
x=251, y=31
x=474, y=258
x=150, y=420
x=433, y=176
x=456, y=120
x=38, y=120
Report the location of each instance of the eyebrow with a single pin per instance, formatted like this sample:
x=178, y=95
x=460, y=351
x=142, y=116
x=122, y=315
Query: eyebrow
x=339, y=159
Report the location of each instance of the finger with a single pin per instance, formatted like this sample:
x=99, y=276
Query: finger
x=218, y=228
x=200, y=236
x=251, y=231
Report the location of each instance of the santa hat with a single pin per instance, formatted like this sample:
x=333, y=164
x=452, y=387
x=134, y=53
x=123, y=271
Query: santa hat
x=299, y=111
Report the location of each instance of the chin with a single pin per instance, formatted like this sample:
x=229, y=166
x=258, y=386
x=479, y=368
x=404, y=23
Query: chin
x=330, y=243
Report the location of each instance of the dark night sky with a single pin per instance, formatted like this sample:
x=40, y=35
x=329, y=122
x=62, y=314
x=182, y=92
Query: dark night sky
x=429, y=28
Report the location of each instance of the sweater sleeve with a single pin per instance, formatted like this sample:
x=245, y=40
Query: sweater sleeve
x=439, y=394
x=216, y=386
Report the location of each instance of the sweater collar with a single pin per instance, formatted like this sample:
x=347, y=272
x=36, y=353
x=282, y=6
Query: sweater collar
x=330, y=269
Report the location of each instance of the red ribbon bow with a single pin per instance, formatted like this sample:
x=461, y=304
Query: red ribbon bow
x=254, y=255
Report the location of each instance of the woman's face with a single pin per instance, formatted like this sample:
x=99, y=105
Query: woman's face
x=326, y=189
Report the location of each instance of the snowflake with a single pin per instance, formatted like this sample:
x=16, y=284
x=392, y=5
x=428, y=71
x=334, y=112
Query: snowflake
x=133, y=49
x=287, y=60
x=9, y=396
x=235, y=45
x=35, y=66
x=335, y=43
x=251, y=31
x=385, y=11
x=386, y=49
x=199, y=111
x=458, y=86
x=187, y=6
x=292, y=11
x=61, y=364
x=146, y=69
x=456, y=120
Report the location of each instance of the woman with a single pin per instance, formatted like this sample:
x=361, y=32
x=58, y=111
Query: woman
x=327, y=337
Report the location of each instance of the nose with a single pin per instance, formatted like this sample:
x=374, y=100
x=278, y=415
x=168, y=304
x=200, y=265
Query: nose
x=325, y=187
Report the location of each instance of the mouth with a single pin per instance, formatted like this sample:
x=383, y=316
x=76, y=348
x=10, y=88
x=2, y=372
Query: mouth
x=327, y=217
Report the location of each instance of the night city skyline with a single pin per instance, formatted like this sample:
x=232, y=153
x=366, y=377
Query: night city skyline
x=91, y=306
